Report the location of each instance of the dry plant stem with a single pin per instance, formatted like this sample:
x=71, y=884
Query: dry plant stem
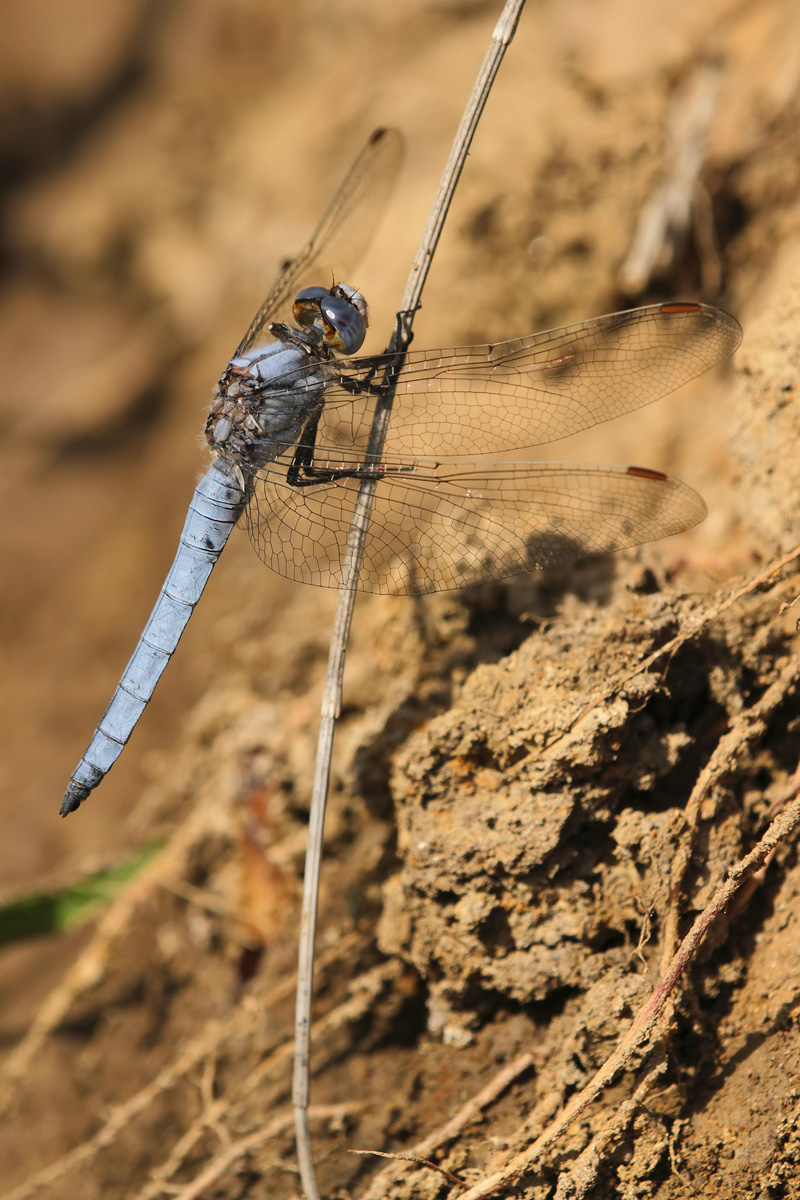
x=667, y=216
x=89, y=969
x=417, y=1162
x=584, y=1171
x=747, y=727
x=452, y=1128
x=209, y=1041
x=237, y=1110
x=233, y=1151
x=122, y=1115
x=331, y=702
x=643, y=1024
x=686, y=634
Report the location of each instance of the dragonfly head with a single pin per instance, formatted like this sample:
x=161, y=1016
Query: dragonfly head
x=339, y=312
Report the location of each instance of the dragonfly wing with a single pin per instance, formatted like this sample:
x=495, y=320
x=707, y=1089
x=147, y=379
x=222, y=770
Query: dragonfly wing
x=343, y=233
x=437, y=527
x=536, y=389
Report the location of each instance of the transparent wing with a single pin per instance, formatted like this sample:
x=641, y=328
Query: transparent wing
x=343, y=234
x=536, y=389
x=437, y=526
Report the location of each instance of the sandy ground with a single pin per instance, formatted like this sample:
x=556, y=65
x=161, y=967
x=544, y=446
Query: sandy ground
x=537, y=785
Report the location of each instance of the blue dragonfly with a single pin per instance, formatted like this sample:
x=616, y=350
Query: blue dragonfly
x=290, y=419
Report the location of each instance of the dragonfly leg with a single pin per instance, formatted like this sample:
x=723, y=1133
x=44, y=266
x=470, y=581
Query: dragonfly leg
x=303, y=473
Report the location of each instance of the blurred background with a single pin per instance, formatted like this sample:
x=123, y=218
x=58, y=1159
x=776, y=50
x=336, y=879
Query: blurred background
x=159, y=160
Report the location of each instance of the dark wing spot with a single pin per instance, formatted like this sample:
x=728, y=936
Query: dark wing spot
x=647, y=473
x=679, y=306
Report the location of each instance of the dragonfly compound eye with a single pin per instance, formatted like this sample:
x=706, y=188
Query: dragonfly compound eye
x=344, y=320
x=305, y=309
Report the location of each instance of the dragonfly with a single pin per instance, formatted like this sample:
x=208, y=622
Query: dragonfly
x=289, y=425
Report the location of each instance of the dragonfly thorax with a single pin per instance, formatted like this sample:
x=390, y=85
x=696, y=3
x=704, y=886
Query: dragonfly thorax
x=262, y=402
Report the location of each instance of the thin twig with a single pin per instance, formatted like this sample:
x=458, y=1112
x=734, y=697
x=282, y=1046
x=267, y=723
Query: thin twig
x=89, y=968
x=331, y=701
x=210, y=1040
x=666, y=218
x=689, y=631
x=364, y=990
x=653, y=1009
x=199, y=1186
x=584, y=1171
x=417, y=1162
x=746, y=728
x=452, y=1128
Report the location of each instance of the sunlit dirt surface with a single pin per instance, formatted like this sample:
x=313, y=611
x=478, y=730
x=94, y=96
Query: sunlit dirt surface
x=536, y=786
